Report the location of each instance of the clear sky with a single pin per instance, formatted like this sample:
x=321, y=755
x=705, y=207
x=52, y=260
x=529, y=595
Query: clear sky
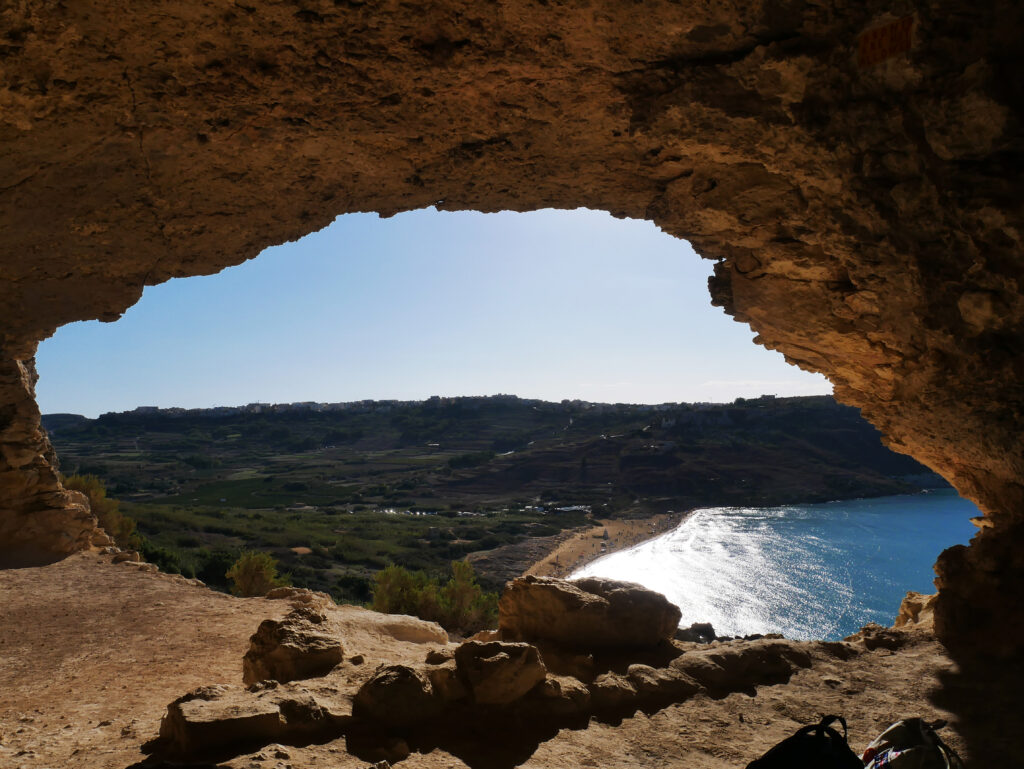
x=549, y=304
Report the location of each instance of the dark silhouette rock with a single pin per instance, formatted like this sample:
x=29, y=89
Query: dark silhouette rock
x=698, y=632
x=498, y=673
x=397, y=695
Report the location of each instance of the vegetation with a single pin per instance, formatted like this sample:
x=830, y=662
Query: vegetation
x=253, y=574
x=107, y=510
x=460, y=605
x=337, y=494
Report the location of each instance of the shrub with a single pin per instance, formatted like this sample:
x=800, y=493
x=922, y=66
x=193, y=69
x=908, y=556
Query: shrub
x=254, y=573
x=107, y=510
x=475, y=459
x=212, y=566
x=352, y=588
x=167, y=560
x=460, y=605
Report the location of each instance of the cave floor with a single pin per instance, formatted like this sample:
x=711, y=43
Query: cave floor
x=92, y=652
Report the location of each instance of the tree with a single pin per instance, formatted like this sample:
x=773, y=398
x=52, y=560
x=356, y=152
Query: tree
x=460, y=605
x=107, y=511
x=465, y=607
x=254, y=573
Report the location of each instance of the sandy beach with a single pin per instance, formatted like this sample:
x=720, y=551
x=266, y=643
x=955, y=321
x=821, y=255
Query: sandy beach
x=607, y=536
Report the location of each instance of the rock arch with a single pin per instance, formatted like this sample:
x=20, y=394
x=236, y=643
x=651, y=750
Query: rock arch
x=854, y=169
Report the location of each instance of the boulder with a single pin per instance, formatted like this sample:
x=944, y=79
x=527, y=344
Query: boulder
x=874, y=636
x=446, y=682
x=397, y=695
x=587, y=613
x=498, y=673
x=743, y=666
x=439, y=656
x=300, y=597
x=661, y=683
x=698, y=632
x=213, y=720
x=402, y=627
x=611, y=691
x=562, y=696
x=916, y=609
x=295, y=647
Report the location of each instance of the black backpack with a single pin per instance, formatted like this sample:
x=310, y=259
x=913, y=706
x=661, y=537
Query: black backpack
x=818, y=746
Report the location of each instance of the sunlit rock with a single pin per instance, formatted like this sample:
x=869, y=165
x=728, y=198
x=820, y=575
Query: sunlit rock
x=587, y=613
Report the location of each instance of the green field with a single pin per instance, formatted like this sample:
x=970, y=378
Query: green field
x=347, y=482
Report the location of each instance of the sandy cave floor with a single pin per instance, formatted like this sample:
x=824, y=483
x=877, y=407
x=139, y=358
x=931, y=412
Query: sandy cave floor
x=92, y=652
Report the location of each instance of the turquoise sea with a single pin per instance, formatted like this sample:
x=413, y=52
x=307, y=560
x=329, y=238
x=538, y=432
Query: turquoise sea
x=807, y=571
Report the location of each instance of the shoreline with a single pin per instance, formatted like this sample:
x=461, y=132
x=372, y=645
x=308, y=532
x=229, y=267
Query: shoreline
x=607, y=536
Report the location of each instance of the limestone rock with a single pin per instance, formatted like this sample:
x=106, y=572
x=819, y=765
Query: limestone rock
x=874, y=636
x=661, y=682
x=402, y=627
x=398, y=695
x=300, y=597
x=916, y=609
x=864, y=215
x=698, y=632
x=439, y=656
x=611, y=691
x=295, y=647
x=567, y=662
x=586, y=613
x=210, y=720
x=40, y=521
x=446, y=683
x=498, y=673
x=744, y=666
x=562, y=696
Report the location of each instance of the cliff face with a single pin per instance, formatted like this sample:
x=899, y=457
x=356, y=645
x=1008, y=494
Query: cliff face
x=853, y=167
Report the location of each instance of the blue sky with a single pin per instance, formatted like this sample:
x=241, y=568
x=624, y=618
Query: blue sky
x=549, y=304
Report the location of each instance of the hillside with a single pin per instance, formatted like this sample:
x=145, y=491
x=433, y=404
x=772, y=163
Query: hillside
x=339, y=490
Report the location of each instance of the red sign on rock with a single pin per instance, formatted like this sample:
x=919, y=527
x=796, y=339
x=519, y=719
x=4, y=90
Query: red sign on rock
x=881, y=43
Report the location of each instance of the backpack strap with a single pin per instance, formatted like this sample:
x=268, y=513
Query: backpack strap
x=950, y=756
x=827, y=721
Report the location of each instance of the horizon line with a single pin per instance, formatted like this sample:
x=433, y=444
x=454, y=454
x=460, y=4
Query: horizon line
x=257, y=406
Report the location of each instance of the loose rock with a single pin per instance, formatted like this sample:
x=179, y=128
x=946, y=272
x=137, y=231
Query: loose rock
x=586, y=613
x=499, y=673
x=295, y=647
x=397, y=695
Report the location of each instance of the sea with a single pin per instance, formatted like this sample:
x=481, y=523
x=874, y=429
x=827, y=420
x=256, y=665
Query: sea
x=817, y=571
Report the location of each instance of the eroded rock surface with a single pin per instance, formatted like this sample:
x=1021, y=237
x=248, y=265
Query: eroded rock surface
x=499, y=673
x=399, y=695
x=295, y=647
x=212, y=721
x=40, y=521
x=585, y=613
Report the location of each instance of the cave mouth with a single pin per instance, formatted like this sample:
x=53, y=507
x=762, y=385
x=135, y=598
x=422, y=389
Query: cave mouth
x=431, y=301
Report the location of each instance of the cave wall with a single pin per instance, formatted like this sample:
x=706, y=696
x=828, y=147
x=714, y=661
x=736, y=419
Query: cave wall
x=38, y=517
x=853, y=168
